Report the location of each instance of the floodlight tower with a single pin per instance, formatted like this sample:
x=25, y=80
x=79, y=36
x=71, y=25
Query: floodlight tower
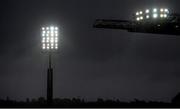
x=153, y=20
x=49, y=45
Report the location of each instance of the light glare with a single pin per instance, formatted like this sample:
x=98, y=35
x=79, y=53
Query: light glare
x=166, y=10
x=155, y=15
x=52, y=28
x=138, y=19
x=44, y=32
x=141, y=18
x=56, y=28
x=137, y=13
x=162, y=10
x=161, y=15
x=147, y=10
x=147, y=16
x=154, y=10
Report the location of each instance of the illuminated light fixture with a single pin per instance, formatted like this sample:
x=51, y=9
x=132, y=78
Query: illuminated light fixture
x=52, y=28
x=141, y=18
x=43, y=41
x=49, y=38
x=56, y=28
x=44, y=32
x=137, y=13
x=147, y=16
x=147, y=10
x=56, y=32
x=141, y=12
x=52, y=41
x=138, y=19
x=155, y=15
x=56, y=40
x=161, y=15
x=166, y=10
x=154, y=10
x=162, y=10
x=44, y=46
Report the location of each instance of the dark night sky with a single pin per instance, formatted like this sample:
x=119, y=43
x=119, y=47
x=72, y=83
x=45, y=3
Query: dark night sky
x=91, y=62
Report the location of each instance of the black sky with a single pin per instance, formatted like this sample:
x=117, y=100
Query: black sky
x=91, y=62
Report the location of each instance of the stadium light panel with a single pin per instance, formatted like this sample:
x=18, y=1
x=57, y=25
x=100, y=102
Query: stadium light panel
x=153, y=13
x=49, y=38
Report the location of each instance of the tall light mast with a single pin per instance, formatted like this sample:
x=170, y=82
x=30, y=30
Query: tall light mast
x=49, y=45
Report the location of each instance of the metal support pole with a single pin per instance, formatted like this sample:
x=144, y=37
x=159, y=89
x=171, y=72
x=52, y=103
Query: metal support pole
x=50, y=82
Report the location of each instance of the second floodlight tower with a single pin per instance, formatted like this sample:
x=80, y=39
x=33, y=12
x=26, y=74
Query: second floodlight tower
x=49, y=45
x=150, y=14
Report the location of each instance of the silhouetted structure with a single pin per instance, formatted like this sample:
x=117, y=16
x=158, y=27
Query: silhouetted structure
x=176, y=99
x=100, y=103
x=170, y=26
x=50, y=83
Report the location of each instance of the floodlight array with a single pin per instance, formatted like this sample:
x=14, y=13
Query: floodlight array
x=154, y=13
x=50, y=38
